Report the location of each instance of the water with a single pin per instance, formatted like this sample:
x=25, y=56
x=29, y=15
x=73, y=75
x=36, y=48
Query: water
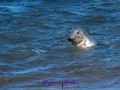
x=34, y=46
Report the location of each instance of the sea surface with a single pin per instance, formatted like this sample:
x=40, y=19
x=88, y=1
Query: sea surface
x=34, y=50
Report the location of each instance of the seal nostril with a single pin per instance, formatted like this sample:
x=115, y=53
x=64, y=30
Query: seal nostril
x=69, y=39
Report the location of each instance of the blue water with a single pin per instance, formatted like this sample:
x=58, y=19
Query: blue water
x=34, y=46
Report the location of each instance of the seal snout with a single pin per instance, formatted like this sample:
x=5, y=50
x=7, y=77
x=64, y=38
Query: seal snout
x=70, y=39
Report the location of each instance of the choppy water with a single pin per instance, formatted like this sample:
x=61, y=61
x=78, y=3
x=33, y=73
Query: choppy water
x=34, y=46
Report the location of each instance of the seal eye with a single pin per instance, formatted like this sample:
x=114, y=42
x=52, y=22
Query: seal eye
x=78, y=32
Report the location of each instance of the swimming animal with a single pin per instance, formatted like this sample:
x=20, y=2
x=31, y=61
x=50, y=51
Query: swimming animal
x=80, y=38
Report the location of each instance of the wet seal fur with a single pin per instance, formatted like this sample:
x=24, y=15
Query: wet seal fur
x=80, y=38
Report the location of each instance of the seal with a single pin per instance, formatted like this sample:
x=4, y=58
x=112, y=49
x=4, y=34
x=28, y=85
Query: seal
x=80, y=38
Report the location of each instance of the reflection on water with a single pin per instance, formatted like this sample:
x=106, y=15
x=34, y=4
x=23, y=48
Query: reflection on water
x=34, y=46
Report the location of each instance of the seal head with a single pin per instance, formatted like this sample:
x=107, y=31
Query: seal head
x=80, y=38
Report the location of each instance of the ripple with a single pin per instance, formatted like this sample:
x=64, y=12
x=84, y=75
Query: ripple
x=12, y=8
